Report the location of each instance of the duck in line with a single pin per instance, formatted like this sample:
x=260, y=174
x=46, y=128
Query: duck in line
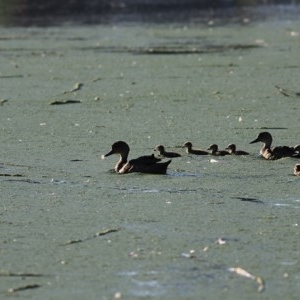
x=297, y=149
x=190, y=150
x=164, y=153
x=216, y=152
x=232, y=150
x=143, y=164
x=272, y=153
x=297, y=170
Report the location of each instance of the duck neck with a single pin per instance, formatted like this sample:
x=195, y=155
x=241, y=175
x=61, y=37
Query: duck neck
x=267, y=144
x=122, y=161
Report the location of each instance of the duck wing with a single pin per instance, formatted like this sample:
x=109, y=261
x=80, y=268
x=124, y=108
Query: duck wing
x=198, y=152
x=151, y=168
x=282, y=151
x=241, y=152
x=146, y=159
x=171, y=154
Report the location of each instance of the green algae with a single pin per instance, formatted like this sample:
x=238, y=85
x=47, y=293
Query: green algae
x=213, y=97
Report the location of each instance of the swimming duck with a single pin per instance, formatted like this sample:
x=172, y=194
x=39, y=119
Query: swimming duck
x=272, y=153
x=297, y=149
x=297, y=170
x=163, y=153
x=216, y=152
x=144, y=164
x=232, y=150
x=190, y=150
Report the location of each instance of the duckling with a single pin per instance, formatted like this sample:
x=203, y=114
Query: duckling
x=232, y=150
x=272, y=153
x=163, y=153
x=296, y=149
x=216, y=152
x=190, y=150
x=144, y=164
x=297, y=170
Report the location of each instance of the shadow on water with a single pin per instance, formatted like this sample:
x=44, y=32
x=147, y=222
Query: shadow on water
x=56, y=12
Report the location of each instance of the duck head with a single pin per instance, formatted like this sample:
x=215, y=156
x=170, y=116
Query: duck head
x=119, y=147
x=187, y=145
x=160, y=148
x=213, y=147
x=231, y=148
x=264, y=137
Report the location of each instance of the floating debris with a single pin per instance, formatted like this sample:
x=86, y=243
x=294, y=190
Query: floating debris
x=191, y=254
x=59, y=102
x=287, y=93
x=25, y=180
x=2, y=101
x=221, y=241
x=99, y=233
x=244, y=273
x=118, y=295
x=174, y=50
x=106, y=231
x=21, y=274
x=23, y=288
x=12, y=175
x=77, y=86
x=12, y=76
x=246, y=199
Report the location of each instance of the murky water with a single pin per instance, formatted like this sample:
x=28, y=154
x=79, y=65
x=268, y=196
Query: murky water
x=73, y=229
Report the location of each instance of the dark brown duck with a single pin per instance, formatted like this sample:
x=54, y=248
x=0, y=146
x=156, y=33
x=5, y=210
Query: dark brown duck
x=215, y=150
x=164, y=153
x=190, y=150
x=272, y=153
x=232, y=150
x=143, y=164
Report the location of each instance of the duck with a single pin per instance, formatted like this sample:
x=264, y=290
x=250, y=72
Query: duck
x=232, y=150
x=164, y=153
x=143, y=164
x=296, y=149
x=272, y=153
x=190, y=150
x=216, y=152
x=297, y=170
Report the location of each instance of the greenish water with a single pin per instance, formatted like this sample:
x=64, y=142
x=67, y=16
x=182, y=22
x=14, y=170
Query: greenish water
x=218, y=89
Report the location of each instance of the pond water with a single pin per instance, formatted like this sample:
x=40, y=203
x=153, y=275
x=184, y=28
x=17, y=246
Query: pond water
x=71, y=228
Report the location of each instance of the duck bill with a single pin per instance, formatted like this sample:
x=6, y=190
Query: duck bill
x=255, y=141
x=107, y=154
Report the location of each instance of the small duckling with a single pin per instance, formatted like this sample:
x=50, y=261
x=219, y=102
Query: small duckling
x=163, y=153
x=232, y=150
x=190, y=150
x=216, y=152
x=297, y=149
x=297, y=170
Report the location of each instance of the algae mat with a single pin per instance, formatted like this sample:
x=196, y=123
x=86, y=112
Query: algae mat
x=212, y=227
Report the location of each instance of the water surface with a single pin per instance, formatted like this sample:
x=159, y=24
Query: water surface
x=148, y=85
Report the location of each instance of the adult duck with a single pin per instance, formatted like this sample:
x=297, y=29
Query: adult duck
x=216, y=152
x=190, y=150
x=143, y=164
x=272, y=153
x=164, y=153
x=232, y=150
